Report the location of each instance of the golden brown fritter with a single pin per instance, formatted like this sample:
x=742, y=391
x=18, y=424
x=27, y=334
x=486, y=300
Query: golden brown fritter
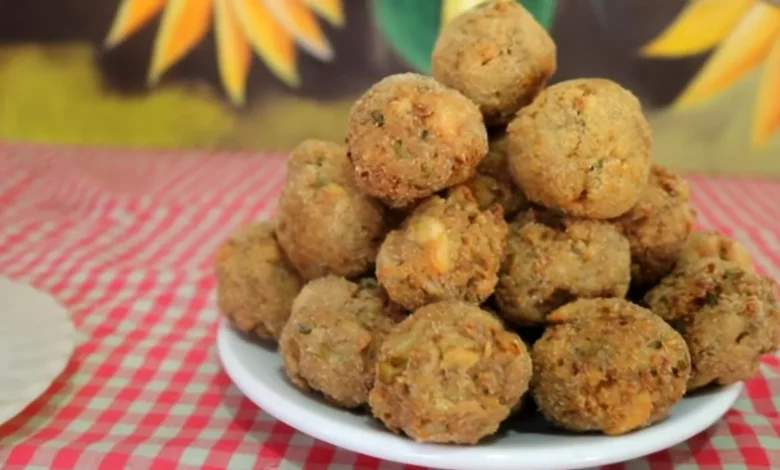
x=695, y=284
x=446, y=249
x=711, y=244
x=658, y=225
x=326, y=225
x=582, y=147
x=492, y=183
x=497, y=55
x=551, y=260
x=608, y=365
x=331, y=341
x=449, y=373
x=409, y=136
x=729, y=317
x=255, y=283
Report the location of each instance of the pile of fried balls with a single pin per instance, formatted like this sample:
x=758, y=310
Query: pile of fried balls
x=482, y=237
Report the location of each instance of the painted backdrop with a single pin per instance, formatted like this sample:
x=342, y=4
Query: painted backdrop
x=264, y=74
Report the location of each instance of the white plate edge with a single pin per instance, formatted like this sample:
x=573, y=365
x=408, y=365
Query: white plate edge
x=67, y=344
x=303, y=421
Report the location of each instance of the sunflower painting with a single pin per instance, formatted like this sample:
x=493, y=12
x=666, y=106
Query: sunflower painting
x=745, y=35
x=271, y=28
x=264, y=74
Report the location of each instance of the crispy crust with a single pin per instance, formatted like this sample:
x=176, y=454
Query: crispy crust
x=608, y=365
x=446, y=249
x=492, y=183
x=449, y=373
x=711, y=244
x=331, y=340
x=255, y=283
x=728, y=316
x=551, y=260
x=497, y=55
x=409, y=136
x=582, y=147
x=658, y=225
x=326, y=225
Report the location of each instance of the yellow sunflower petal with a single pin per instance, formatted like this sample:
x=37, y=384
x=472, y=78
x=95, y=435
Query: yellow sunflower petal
x=297, y=18
x=742, y=50
x=698, y=28
x=768, y=104
x=331, y=10
x=184, y=23
x=269, y=39
x=234, y=55
x=131, y=16
x=452, y=8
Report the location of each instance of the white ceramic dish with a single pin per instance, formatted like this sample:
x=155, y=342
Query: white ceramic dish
x=36, y=342
x=528, y=444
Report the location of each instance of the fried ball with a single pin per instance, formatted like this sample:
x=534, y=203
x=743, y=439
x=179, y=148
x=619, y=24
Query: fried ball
x=658, y=225
x=255, y=283
x=711, y=244
x=449, y=373
x=331, y=341
x=497, y=55
x=492, y=184
x=551, y=260
x=446, y=249
x=608, y=365
x=409, y=136
x=326, y=225
x=582, y=147
x=729, y=317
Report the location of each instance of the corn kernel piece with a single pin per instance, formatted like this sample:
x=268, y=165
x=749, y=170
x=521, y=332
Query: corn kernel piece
x=334, y=189
x=460, y=358
x=386, y=372
x=441, y=254
x=425, y=229
x=267, y=252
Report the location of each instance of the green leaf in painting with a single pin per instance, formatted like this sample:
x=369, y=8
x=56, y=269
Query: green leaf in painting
x=411, y=26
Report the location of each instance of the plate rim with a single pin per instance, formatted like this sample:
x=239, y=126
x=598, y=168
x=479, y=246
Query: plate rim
x=461, y=457
x=36, y=390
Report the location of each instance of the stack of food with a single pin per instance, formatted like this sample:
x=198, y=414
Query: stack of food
x=404, y=269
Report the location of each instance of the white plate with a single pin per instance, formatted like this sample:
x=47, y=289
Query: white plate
x=36, y=341
x=529, y=443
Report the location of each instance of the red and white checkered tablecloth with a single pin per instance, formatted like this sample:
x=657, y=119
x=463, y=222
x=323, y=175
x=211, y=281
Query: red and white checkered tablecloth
x=124, y=240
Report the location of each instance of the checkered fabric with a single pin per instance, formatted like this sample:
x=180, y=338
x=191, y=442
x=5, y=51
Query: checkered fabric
x=124, y=240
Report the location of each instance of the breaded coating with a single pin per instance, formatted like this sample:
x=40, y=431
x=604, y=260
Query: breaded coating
x=446, y=249
x=551, y=260
x=608, y=365
x=449, y=373
x=409, y=136
x=695, y=284
x=492, y=183
x=658, y=225
x=497, y=55
x=729, y=317
x=333, y=336
x=582, y=147
x=711, y=244
x=326, y=225
x=255, y=283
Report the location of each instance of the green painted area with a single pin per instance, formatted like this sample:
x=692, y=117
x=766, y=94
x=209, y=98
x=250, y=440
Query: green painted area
x=54, y=93
x=283, y=121
x=411, y=26
x=714, y=136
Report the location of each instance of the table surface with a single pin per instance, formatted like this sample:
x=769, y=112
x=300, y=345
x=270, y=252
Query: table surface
x=124, y=239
